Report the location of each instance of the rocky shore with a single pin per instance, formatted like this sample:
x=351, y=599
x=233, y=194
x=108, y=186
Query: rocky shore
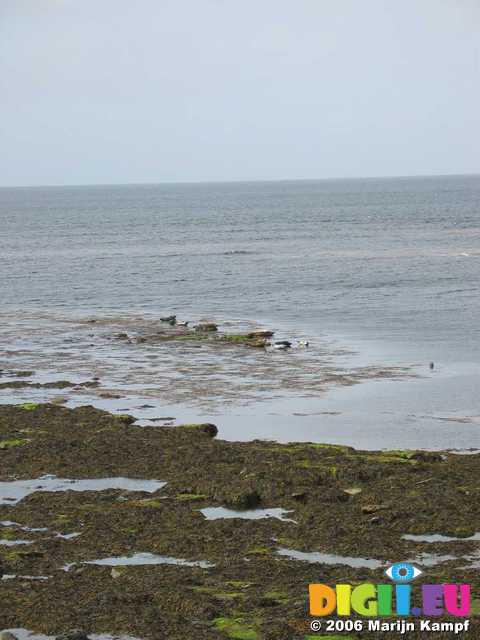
x=176, y=560
x=206, y=365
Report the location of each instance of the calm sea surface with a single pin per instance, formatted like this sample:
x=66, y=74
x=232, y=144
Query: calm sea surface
x=388, y=268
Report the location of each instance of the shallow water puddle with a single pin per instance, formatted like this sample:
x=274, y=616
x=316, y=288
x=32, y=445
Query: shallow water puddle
x=14, y=491
x=140, y=559
x=9, y=523
x=16, y=525
x=430, y=559
x=425, y=559
x=13, y=543
x=218, y=513
x=437, y=537
x=328, y=558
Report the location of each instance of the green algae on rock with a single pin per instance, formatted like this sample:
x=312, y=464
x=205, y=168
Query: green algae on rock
x=236, y=628
x=7, y=444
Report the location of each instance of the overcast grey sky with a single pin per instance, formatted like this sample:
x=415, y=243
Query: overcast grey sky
x=112, y=91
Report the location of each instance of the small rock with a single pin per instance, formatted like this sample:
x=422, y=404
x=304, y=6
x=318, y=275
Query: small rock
x=244, y=500
x=353, y=491
x=75, y=634
x=425, y=456
x=300, y=496
x=125, y=419
x=375, y=520
x=260, y=334
x=371, y=508
x=117, y=572
x=206, y=326
x=266, y=602
x=121, y=336
x=259, y=343
x=208, y=428
x=6, y=635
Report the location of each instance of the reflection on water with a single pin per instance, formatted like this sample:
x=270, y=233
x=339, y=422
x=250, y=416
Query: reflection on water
x=139, y=559
x=425, y=559
x=16, y=525
x=219, y=513
x=329, y=558
x=12, y=492
x=437, y=537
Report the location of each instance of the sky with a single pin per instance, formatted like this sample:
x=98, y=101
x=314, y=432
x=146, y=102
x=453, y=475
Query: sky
x=122, y=91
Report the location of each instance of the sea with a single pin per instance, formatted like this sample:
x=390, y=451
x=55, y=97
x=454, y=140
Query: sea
x=380, y=276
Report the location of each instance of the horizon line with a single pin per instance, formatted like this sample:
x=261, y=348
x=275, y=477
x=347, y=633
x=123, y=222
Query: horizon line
x=238, y=181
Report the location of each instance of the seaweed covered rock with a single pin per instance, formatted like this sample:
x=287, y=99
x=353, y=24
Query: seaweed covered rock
x=207, y=428
x=205, y=327
x=243, y=339
x=426, y=456
x=243, y=499
x=261, y=333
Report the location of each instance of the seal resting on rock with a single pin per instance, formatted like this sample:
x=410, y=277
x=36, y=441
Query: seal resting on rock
x=282, y=344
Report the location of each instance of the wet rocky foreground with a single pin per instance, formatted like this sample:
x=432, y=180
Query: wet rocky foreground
x=188, y=536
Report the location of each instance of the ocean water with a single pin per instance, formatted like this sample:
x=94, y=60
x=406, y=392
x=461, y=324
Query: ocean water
x=373, y=272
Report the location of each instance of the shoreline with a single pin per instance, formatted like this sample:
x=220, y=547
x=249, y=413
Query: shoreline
x=326, y=393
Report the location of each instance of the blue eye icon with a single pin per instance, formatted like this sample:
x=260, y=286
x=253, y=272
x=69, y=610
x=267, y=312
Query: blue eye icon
x=403, y=572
